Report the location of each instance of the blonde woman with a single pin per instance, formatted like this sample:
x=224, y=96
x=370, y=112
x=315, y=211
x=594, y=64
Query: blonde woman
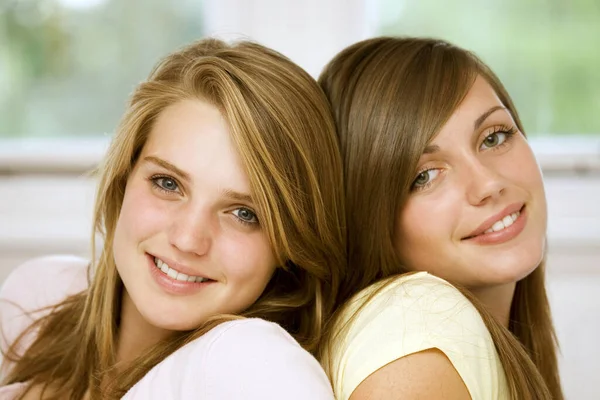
x=442, y=192
x=220, y=202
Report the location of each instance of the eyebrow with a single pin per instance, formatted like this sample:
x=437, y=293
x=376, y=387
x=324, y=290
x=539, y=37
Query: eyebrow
x=484, y=116
x=167, y=165
x=232, y=194
x=433, y=148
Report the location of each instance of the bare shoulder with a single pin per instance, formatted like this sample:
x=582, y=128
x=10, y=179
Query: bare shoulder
x=416, y=335
x=423, y=375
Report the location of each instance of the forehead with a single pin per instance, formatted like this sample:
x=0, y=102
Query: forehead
x=480, y=98
x=194, y=136
x=188, y=118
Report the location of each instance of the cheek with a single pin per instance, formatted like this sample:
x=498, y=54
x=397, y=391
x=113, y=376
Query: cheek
x=523, y=167
x=531, y=180
x=247, y=259
x=425, y=229
x=140, y=216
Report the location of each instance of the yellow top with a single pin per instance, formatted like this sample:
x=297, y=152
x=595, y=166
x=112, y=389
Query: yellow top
x=413, y=313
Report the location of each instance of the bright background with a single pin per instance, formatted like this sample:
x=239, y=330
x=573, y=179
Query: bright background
x=67, y=67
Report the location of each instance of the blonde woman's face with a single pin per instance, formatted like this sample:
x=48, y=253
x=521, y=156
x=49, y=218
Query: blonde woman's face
x=477, y=211
x=188, y=244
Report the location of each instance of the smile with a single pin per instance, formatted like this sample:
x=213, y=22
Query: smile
x=174, y=274
x=501, y=229
x=504, y=222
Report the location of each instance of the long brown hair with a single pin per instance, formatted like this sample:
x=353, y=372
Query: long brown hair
x=390, y=97
x=281, y=124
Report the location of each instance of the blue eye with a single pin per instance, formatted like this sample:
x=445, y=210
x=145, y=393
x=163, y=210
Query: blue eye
x=245, y=215
x=165, y=183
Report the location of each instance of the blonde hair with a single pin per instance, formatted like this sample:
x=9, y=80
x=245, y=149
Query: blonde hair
x=390, y=97
x=281, y=124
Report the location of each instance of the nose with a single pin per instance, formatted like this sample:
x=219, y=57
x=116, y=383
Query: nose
x=484, y=184
x=191, y=231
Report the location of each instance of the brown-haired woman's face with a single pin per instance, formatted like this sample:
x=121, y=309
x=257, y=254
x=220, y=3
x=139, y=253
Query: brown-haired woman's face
x=476, y=214
x=188, y=244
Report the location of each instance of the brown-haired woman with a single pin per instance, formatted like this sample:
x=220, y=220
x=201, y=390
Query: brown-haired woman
x=446, y=217
x=220, y=197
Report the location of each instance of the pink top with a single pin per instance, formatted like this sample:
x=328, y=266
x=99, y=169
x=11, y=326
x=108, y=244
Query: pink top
x=243, y=359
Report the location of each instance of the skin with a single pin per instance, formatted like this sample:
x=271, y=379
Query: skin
x=416, y=371
x=467, y=175
x=473, y=175
x=187, y=200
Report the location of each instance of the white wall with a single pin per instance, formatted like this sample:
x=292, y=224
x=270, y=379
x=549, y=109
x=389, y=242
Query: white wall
x=308, y=31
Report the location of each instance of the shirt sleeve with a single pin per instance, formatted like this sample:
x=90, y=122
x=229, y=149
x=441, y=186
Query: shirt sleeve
x=247, y=359
x=29, y=290
x=260, y=360
x=412, y=314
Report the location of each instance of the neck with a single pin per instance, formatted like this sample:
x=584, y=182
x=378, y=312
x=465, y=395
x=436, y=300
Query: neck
x=135, y=335
x=497, y=300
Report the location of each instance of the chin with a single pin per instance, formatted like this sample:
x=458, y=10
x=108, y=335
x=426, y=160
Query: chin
x=177, y=326
x=172, y=321
x=161, y=313
x=511, y=268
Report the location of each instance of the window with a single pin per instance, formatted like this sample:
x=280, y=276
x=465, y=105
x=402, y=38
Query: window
x=544, y=51
x=68, y=66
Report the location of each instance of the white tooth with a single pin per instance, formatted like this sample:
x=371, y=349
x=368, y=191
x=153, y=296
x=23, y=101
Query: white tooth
x=182, y=277
x=514, y=216
x=508, y=221
x=518, y=213
x=489, y=231
x=172, y=273
x=498, y=226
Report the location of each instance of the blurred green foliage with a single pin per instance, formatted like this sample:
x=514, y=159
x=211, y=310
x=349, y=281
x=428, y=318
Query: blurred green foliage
x=67, y=67
x=67, y=70
x=546, y=52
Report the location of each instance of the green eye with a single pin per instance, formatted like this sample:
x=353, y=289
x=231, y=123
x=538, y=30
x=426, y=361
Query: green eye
x=425, y=178
x=493, y=140
x=422, y=179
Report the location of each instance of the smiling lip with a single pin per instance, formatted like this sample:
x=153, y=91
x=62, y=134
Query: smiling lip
x=503, y=235
x=513, y=208
x=177, y=266
x=173, y=286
